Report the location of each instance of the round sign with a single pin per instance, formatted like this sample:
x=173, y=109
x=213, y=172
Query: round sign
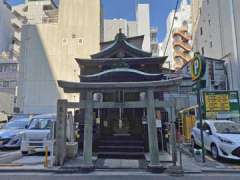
x=197, y=67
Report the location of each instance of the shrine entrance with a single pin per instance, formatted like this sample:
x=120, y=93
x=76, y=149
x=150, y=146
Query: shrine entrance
x=120, y=90
x=121, y=121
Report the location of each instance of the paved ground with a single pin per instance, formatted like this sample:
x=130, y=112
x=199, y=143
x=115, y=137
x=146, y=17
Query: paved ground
x=222, y=164
x=7, y=157
x=13, y=160
x=116, y=176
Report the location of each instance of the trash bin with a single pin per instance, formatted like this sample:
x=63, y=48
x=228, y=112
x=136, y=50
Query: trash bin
x=198, y=154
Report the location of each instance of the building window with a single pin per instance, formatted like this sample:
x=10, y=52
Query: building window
x=209, y=22
x=211, y=44
x=202, y=50
x=201, y=31
x=5, y=84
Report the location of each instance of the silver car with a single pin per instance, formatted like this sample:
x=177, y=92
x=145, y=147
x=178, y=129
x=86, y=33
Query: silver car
x=38, y=135
x=11, y=133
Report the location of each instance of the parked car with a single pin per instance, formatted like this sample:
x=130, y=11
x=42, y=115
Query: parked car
x=38, y=134
x=221, y=138
x=11, y=133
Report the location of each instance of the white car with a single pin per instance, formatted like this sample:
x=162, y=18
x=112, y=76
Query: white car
x=221, y=138
x=38, y=135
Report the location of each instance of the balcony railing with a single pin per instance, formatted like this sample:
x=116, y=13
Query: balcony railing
x=185, y=46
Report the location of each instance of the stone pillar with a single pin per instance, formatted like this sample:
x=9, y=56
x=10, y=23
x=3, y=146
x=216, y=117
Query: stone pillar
x=154, y=165
x=174, y=169
x=61, y=132
x=173, y=136
x=88, y=133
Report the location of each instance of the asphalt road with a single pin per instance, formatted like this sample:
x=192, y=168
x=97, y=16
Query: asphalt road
x=116, y=176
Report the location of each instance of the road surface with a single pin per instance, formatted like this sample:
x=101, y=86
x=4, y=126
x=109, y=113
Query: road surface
x=116, y=176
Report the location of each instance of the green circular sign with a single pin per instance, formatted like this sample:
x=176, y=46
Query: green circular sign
x=197, y=67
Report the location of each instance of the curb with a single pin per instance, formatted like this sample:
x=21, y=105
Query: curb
x=220, y=171
x=77, y=171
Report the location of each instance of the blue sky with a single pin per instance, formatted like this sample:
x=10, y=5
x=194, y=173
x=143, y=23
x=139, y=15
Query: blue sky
x=126, y=9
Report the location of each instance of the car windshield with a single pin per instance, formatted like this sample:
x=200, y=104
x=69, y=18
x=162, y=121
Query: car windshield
x=227, y=128
x=17, y=124
x=39, y=123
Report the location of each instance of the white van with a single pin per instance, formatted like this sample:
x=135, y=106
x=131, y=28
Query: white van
x=39, y=134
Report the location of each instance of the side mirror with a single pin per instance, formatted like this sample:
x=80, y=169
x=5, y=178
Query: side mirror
x=26, y=127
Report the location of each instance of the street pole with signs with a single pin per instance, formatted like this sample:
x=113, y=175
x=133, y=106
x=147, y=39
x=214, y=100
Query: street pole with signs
x=198, y=68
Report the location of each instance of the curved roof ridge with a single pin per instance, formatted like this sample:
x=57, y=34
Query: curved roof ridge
x=120, y=70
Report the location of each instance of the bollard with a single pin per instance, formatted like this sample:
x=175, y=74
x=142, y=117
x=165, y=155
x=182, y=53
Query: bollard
x=46, y=157
x=180, y=159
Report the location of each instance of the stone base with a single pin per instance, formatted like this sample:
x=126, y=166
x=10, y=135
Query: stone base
x=87, y=169
x=155, y=168
x=175, y=171
x=71, y=150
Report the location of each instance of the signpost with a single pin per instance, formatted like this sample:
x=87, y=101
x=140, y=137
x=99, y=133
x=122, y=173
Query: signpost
x=198, y=68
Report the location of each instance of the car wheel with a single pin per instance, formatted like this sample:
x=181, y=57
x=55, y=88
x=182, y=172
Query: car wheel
x=24, y=153
x=214, y=152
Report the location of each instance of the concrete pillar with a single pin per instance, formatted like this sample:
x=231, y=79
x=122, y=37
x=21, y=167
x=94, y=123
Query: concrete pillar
x=61, y=132
x=154, y=165
x=88, y=133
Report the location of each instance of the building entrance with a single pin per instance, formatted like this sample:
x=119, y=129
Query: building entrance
x=120, y=121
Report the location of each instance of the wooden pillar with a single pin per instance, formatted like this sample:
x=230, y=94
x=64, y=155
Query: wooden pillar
x=88, y=133
x=152, y=133
x=61, y=132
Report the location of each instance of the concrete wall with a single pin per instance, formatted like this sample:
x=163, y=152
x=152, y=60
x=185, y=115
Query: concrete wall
x=112, y=26
x=131, y=28
x=220, y=36
x=6, y=102
x=143, y=24
x=48, y=52
x=6, y=31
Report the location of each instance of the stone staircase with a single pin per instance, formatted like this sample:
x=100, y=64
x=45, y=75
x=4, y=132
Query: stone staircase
x=120, y=147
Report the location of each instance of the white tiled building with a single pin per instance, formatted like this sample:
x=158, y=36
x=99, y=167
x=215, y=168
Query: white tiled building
x=216, y=34
x=141, y=26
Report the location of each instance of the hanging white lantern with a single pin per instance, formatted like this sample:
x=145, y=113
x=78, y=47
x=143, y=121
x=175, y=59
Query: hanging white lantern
x=142, y=96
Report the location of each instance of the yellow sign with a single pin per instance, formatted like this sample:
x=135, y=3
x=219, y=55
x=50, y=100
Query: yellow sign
x=217, y=102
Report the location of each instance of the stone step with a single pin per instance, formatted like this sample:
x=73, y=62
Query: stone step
x=121, y=155
x=121, y=148
x=122, y=137
x=120, y=143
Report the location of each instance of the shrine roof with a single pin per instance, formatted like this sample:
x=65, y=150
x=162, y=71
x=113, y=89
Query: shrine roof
x=121, y=48
x=74, y=87
x=134, y=60
x=122, y=75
